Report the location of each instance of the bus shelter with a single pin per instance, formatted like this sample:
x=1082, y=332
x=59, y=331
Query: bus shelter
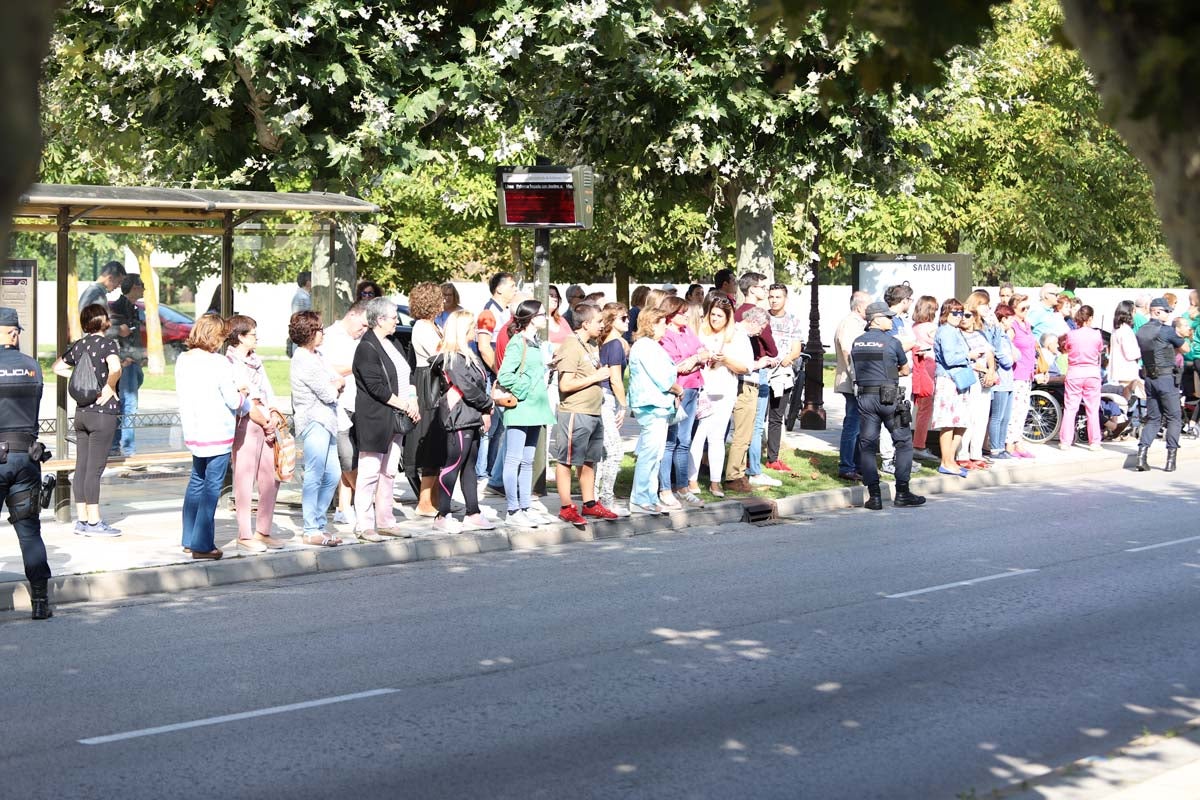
x=155, y=211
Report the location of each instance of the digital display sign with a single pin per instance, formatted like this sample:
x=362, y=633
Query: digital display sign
x=545, y=197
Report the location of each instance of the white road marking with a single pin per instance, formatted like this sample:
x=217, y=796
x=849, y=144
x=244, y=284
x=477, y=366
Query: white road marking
x=262, y=712
x=155, y=505
x=1163, y=544
x=1011, y=574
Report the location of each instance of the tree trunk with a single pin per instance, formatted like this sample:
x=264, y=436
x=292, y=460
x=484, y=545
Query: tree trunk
x=754, y=220
x=1115, y=45
x=24, y=42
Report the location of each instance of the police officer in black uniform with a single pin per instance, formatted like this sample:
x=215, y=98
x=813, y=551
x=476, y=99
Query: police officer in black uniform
x=1159, y=343
x=21, y=456
x=879, y=360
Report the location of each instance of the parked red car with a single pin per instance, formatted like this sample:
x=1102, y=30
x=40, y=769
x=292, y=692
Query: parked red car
x=176, y=327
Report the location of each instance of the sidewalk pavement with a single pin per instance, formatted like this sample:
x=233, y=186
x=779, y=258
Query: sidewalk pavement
x=1150, y=768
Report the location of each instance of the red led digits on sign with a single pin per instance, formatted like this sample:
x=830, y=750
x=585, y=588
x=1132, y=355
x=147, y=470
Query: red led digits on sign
x=532, y=204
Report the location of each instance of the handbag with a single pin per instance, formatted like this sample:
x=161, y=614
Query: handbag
x=922, y=381
x=285, y=448
x=964, y=378
x=503, y=397
x=704, y=406
x=402, y=423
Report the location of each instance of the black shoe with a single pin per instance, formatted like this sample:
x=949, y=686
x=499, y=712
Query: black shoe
x=906, y=499
x=40, y=601
x=874, y=498
x=1170, y=467
x=1142, y=464
x=849, y=476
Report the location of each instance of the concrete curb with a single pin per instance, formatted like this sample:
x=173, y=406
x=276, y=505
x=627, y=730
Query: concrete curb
x=14, y=595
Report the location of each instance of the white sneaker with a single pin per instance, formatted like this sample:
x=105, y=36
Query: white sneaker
x=634, y=508
x=691, y=500
x=888, y=467
x=540, y=517
x=763, y=479
x=478, y=522
x=489, y=513
x=447, y=525
x=519, y=519
x=340, y=518
x=540, y=507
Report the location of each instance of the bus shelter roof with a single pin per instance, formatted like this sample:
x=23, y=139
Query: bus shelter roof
x=158, y=204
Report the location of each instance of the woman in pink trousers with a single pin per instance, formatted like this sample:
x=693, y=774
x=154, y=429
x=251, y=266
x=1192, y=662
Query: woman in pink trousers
x=1083, y=346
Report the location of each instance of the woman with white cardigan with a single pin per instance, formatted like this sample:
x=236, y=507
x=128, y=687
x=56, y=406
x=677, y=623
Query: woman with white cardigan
x=209, y=402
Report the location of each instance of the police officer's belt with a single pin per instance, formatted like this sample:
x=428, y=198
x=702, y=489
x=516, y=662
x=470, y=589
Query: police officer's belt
x=17, y=440
x=873, y=389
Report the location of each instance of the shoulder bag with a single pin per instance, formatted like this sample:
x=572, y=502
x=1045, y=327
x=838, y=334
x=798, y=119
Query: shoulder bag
x=285, y=448
x=402, y=423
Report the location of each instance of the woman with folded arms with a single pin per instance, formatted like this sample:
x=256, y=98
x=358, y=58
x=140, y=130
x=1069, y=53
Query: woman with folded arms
x=979, y=396
x=467, y=411
x=654, y=395
x=954, y=358
x=381, y=381
x=253, y=454
x=315, y=389
x=209, y=402
x=685, y=349
x=924, y=327
x=1124, y=353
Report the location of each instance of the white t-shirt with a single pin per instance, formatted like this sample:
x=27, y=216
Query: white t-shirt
x=426, y=341
x=337, y=350
x=719, y=382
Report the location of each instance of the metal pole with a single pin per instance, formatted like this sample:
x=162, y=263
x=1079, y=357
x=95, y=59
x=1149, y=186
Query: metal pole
x=541, y=265
x=227, y=266
x=62, y=492
x=812, y=417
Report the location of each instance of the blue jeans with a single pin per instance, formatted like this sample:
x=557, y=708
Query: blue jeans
x=497, y=453
x=998, y=421
x=848, y=456
x=754, y=456
x=200, y=501
x=650, y=445
x=673, y=472
x=322, y=471
x=127, y=387
x=520, y=442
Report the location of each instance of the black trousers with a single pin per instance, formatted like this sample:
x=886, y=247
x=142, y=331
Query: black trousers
x=93, y=438
x=462, y=448
x=21, y=485
x=872, y=416
x=1162, y=402
x=777, y=409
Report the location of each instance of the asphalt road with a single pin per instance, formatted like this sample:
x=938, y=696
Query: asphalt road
x=824, y=658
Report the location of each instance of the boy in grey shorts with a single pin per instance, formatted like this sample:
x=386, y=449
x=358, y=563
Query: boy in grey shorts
x=578, y=433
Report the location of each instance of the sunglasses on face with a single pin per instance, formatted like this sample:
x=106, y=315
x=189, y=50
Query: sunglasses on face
x=967, y=315
x=624, y=318
x=366, y=293
x=956, y=313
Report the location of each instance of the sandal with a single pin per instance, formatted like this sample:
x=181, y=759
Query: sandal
x=368, y=536
x=715, y=490
x=320, y=540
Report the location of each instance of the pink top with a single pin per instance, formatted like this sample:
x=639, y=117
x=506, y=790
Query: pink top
x=1084, y=346
x=559, y=331
x=1026, y=345
x=923, y=333
x=681, y=344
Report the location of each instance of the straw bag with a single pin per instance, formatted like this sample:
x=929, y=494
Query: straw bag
x=285, y=448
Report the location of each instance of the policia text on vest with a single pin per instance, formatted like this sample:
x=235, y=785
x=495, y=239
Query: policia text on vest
x=878, y=360
x=21, y=456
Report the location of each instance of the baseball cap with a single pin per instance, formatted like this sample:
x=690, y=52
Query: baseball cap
x=879, y=310
x=1158, y=302
x=9, y=318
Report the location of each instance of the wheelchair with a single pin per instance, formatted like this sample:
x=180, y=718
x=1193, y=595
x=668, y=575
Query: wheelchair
x=1045, y=416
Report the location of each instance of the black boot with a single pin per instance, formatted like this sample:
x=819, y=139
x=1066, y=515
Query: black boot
x=874, y=499
x=906, y=499
x=40, y=600
x=1142, y=465
x=1170, y=467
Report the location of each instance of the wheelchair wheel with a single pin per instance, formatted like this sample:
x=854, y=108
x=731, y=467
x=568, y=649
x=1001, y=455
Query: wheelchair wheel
x=1044, y=417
